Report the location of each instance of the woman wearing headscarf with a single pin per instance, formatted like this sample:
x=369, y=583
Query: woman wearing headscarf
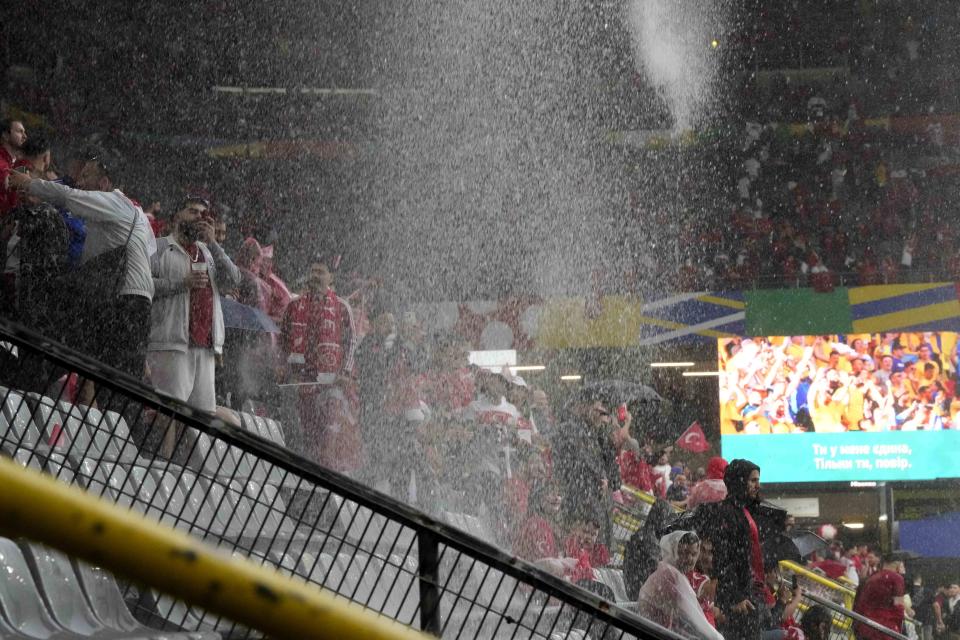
x=667, y=597
x=738, y=551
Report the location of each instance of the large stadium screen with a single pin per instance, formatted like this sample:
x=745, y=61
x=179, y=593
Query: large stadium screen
x=842, y=407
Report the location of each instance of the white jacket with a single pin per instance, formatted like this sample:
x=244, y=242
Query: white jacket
x=170, y=314
x=109, y=216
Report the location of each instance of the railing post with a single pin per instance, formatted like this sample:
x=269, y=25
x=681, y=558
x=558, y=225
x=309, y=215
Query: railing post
x=428, y=572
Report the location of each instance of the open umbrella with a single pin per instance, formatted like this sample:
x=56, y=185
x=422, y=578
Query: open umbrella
x=780, y=546
x=246, y=318
x=616, y=392
x=807, y=542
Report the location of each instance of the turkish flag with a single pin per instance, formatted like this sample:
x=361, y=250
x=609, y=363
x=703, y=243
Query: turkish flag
x=693, y=439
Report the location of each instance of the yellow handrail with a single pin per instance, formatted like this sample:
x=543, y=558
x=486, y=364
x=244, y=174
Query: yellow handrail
x=816, y=577
x=848, y=594
x=643, y=496
x=41, y=508
x=633, y=492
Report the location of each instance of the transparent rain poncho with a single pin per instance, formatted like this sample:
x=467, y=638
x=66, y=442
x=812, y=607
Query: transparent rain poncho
x=668, y=599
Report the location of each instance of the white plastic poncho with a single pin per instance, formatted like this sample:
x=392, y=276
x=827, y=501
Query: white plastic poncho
x=668, y=599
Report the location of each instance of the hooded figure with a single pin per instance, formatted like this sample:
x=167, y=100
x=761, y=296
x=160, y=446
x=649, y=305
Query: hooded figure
x=711, y=488
x=737, y=551
x=667, y=597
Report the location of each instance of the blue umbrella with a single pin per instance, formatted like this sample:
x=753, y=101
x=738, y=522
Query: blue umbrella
x=246, y=318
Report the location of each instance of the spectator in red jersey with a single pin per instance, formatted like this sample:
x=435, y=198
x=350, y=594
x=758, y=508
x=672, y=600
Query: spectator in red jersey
x=584, y=543
x=319, y=340
x=538, y=535
x=450, y=384
x=531, y=472
x=12, y=138
x=881, y=599
x=634, y=470
x=667, y=596
x=832, y=566
x=782, y=603
x=280, y=295
x=186, y=328
x=870, y=562
x=703, y=584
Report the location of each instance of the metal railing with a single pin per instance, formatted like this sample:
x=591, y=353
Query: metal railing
x=244, y=492
x=136, y=547
x=817, y=589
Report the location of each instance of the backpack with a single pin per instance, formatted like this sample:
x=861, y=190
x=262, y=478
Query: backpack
x=44, y=241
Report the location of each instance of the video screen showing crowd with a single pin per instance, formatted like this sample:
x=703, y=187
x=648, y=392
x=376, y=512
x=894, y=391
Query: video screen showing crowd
x=838, y=383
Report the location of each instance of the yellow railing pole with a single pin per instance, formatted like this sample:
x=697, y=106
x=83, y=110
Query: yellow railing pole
x=816, y=577
x=41, y=508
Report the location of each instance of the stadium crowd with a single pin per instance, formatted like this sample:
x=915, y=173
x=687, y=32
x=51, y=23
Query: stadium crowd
x=859, y=382
x=380, y=400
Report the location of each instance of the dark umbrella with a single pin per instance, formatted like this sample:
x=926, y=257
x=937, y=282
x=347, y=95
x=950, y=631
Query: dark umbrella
x=614, y=392
x=246, y=318
x=780, y=546
x=807, y=542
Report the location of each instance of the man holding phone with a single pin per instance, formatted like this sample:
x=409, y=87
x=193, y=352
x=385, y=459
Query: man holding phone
x=186, y=328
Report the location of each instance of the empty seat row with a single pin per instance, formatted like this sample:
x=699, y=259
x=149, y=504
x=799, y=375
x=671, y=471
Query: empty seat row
x=38, y=423
x=43, y=594
x=225, y=494
x=264, y=427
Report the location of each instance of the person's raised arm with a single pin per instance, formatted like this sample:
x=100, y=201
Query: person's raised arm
x=93, y=206
x=795, y=598
x=226, y=273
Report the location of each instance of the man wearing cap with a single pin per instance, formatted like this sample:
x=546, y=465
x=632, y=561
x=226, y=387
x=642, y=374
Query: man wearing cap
x=186, y=322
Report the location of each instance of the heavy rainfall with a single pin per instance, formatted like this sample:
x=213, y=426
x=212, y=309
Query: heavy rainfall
x=654, y=300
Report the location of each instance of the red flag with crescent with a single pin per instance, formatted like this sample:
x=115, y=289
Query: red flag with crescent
x=693, y=439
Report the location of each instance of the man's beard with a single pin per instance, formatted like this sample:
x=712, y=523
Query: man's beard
x=191, y=231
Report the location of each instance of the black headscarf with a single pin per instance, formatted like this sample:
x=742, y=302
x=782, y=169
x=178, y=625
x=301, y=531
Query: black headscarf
x=735, y=478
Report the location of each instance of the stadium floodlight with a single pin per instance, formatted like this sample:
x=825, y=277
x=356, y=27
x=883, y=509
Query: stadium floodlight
x=305, y=91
